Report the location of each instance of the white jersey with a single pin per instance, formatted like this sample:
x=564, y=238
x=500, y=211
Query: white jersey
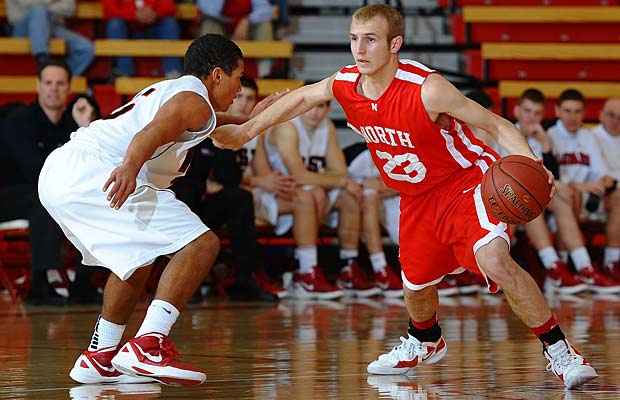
x=111, y=135
x=610, y=148
x=312, y=147
x=577, y=153
x=534, y=144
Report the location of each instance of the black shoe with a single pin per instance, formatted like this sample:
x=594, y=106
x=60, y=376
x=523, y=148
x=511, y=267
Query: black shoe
x=250, y=292
x=46, y=298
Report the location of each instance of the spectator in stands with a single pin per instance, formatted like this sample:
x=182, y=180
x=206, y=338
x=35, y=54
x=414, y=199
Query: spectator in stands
x=31, y=133
x=272, y=191
x=582, y=168
x=211, y=189
x=40, y=20
x=607, y=135
x=142, y=19
x=282, y=20
x=380, y=204
x=307, y=148
x=530, y=111
x=239, y=20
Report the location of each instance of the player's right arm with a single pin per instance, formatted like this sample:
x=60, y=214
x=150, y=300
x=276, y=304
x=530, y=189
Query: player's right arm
x=293, y=104
x=184, y=111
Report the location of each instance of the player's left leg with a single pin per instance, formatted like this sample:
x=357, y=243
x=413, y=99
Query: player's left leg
x=528, y=303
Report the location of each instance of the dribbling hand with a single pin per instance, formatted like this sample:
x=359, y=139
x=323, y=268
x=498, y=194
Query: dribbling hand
x=124, y=179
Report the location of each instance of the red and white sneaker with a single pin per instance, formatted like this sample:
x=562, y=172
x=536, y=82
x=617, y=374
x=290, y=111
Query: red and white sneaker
x=96, y=367
x=389, y=282
x=353, y=282
x=313, y=285
x=263, y=281
x=597, y=282
x=612, y=271
x=448, y=286
x=408, y=355
x=153, y=355
x=560, y=280
x=568, y=365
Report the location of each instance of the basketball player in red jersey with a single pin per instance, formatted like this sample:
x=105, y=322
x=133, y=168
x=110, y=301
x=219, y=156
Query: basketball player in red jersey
x=414, y=123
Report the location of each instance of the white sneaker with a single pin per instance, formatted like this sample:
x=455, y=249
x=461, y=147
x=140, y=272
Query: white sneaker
x=568, y=365
x=407, y=355
x=96, y=367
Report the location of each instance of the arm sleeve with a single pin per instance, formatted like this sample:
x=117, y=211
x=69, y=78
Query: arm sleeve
x=262, y=11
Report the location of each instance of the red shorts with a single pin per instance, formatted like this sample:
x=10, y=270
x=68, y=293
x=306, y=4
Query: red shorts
x=441, y=230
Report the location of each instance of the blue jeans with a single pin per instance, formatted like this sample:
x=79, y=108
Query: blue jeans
x=38, y=27
x=165, y=28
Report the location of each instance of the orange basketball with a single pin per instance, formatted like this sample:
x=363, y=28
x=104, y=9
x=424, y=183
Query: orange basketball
x=515, y=189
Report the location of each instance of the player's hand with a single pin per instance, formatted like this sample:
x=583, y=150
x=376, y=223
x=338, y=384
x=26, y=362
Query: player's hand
x=242, y=29
x=83, y=113
x=550, y=180
x=229, y=136
x=266, y=102
x=124, y=180
x=283, y=186
x=538, y=133
x=354, y=189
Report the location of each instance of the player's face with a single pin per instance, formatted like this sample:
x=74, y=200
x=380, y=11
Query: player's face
x=529, y=112
x=244, y=102
x=227, y=88
x=570, y=112
x=369, y=44
x=315, y=116
x=610, y=117
x=53, y=87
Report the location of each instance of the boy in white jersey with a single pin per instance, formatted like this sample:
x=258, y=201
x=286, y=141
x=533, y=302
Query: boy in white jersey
x=395, y=105
x=133, y=155
x=607, y=135
x=307, y=148
x=583, y=169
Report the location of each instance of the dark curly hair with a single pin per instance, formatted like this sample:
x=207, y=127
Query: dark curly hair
x=211, y=51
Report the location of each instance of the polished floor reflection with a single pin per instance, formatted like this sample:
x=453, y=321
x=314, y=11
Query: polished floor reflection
x=319, y=350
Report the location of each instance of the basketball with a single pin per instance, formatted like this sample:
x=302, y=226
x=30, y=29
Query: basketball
x=515, y=189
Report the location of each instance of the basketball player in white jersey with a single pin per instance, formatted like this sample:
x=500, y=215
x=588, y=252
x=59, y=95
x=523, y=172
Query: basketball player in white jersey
x=107, y=189
x=582, y=167
x=607, y=135
x=394, y=105
x=307, y=148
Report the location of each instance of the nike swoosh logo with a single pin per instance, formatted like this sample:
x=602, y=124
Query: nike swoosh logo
x=168, y=311
x=467, y=190
x=109, y=370
x=431, y=351
x=150, y=357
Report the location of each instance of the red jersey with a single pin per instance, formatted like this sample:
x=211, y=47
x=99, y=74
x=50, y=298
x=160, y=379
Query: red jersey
x=413, y=153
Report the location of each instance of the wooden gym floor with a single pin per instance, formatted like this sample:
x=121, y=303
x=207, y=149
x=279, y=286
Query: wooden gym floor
x=319, y=350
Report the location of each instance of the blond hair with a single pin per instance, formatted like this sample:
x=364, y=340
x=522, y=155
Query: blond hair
x=390, y=15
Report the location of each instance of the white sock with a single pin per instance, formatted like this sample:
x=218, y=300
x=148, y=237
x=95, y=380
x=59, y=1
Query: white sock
x=378, y=262
x=563, y=255
x=106, y=334
x=580, y=258
x=160, y=317
x=348, y=255
x=548, y=256
x=611, y=254
x=307, y=257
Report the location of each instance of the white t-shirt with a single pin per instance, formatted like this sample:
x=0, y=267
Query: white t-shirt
x=610, y=149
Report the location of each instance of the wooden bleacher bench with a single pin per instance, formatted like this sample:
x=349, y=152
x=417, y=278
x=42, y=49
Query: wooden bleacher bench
x=552, y=89
x=532, y=15
x=27, y=84
x=21, y=46
x=177, y=48
x=131, y=86
x=550, y=51
x=94, y=10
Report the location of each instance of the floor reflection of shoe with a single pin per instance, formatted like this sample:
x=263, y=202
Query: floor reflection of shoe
x=153, y=355
x=397, y=387
x=127, y=391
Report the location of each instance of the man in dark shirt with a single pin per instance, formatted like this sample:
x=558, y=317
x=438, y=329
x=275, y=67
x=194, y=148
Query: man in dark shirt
x=29, y=135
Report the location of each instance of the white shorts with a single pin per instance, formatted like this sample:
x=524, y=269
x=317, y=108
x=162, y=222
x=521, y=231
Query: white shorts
x=151, y=223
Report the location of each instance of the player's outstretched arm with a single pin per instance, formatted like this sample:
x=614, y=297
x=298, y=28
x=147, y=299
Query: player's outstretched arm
x=184, y=111
x=293, y=104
